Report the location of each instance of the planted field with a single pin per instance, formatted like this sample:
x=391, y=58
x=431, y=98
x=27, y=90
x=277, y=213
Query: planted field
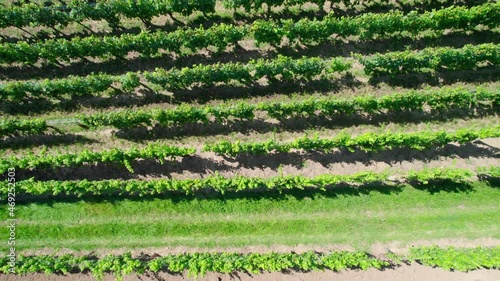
x=271, y=139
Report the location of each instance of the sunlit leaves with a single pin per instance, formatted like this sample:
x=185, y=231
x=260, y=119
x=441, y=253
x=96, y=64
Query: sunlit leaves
x=366, y=142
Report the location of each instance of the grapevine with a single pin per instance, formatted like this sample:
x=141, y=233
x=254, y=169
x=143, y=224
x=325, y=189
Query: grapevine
x=222, y=185
x=437, y=100
x=220, y=36
x=202, y=75
x=366, y=142
x=198, y=264
x=152, y=151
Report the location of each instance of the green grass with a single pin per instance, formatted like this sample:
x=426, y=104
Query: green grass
x=322, y=218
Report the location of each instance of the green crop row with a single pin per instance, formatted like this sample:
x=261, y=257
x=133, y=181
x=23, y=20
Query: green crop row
x=109, y=10
x=370, y=25
x=147, y=43
x=72, y=86
x=491, y=172
x=304, y=31
x=153, y=151
x=22, y=127
x=366, y=142
x=455, y=258
x=288, y=69
x=221, y=184
x=467, y=58
x=208, y=75
x=329, y=107
x=198, y=264
x=203, y=75
x=324, y=107
x=113, y=10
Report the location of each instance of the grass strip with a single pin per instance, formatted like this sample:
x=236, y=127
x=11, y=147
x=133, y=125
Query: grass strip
x=342, y=216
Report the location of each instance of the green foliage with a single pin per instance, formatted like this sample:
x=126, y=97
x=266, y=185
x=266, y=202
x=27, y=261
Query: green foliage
x=130, y=82
x=72, y=86
x=197, y=75
x=457, y=259
x=367, y=142
x=375, y=25
x=491, y=172
x=204, y=75
x=330, y=107
x=110, y=11
x=32, y=15
x=198, y=264
x=152, y=151
x=451, y=18
x=426, y=175
x=108, y=47
x=245, y=74
x=221, y=184
x=435, y=59
x=22, y=127
x=294, y=69
x=413, y=101
x=220, y=36
x=285, y=68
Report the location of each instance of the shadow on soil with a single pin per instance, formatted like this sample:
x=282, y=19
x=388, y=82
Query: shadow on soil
x=444, y=77
x=389, y=157
x=223, y=92
x=444, y=185
x=46, y=140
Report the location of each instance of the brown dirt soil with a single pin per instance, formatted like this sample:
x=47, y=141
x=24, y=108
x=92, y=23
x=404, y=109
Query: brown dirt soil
x=408, y=273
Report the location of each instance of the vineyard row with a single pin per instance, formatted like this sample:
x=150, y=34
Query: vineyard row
x=198, y=264
x=202, y=75
x=367, y=142
x=221, y=36
x=435, y=101
x=222, y=185
x=153, y=151
x=281, y=68
x=323, y=107
x=113, y=10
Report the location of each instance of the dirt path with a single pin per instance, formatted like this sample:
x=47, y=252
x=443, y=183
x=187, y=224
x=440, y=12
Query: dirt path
x=407, y=273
